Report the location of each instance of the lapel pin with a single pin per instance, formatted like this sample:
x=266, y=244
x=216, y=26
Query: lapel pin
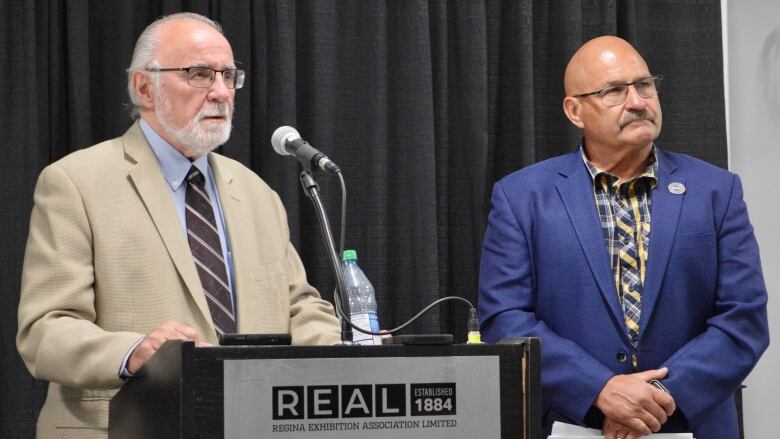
x=676, y=188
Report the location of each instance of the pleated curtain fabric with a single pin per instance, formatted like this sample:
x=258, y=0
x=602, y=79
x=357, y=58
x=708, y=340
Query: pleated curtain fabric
x=423, y=104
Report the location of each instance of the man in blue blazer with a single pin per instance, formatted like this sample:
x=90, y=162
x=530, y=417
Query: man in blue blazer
x=630, y=263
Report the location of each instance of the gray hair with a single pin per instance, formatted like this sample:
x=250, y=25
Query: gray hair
x=146, y=45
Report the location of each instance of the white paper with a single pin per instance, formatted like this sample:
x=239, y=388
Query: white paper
x=561, y=430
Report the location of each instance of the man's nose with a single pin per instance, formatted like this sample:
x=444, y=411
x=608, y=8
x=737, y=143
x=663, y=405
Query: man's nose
x=634, y=101
x=219, y=91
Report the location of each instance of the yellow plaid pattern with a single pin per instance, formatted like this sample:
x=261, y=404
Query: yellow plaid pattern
x=624, y=212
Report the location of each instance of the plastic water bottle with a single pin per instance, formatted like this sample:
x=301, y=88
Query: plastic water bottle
x=362, y=301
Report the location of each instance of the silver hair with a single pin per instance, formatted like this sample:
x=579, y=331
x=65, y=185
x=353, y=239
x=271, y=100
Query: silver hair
x=145, y=47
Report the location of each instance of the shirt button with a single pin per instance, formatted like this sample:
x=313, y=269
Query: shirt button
x=622, y=357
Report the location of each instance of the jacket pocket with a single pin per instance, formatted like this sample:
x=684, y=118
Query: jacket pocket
x=694, y=240
x=83, y=413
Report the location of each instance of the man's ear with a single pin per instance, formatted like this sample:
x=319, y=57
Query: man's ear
x=572, y=107
x=144, y=89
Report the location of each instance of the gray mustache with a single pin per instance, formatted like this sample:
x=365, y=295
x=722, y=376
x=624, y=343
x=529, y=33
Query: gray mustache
x=633, y=117
x=217, y=110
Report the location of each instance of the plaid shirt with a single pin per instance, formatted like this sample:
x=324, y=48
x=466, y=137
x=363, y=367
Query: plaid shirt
x=608, y=190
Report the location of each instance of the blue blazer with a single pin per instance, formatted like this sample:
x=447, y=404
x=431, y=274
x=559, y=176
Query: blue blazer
x=546, y=273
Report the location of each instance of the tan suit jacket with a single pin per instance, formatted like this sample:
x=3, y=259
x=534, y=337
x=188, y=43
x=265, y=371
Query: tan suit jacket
x=107, y=260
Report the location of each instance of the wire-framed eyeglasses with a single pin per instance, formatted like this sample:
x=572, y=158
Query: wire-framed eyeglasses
x=616, y=94
x=203, y=77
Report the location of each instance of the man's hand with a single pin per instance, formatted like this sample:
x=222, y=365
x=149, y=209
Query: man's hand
x=616, y=430
x=630, y=400
x=170, y=330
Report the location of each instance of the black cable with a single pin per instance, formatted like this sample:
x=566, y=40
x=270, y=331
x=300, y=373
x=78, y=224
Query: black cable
x=337, y=297
x=472, y=314
x=343, y=214
x=342, y=232
x=424, y=310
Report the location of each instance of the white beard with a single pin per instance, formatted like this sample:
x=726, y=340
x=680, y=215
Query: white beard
x=198, y=138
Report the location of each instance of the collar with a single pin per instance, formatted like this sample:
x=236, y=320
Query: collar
x=650, y=172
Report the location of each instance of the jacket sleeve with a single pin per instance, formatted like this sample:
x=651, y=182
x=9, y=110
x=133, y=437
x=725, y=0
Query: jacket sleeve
x=58, y=338
x=571, y=378
x=737, y=332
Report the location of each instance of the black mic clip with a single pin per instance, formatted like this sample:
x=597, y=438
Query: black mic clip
x=311, y=158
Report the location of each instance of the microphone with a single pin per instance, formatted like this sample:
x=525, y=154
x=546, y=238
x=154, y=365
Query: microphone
x=287, y=141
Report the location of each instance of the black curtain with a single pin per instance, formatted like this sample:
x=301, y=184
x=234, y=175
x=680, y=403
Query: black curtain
x=423, y=104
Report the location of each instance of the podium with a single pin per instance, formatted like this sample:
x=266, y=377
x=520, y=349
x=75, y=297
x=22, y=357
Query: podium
x=289, y=392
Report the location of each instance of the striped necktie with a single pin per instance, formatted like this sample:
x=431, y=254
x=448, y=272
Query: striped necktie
x=207, y=252
x=631, y=259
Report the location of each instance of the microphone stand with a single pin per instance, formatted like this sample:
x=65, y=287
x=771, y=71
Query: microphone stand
x=311, y=189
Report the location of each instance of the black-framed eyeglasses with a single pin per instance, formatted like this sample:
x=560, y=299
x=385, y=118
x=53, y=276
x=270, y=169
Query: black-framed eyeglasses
x=616, y=94
x=203, y=77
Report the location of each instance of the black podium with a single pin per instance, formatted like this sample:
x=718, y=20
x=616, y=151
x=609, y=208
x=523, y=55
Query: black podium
x=392, y=391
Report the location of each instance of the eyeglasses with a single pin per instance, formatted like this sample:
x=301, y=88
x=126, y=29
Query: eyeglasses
x=203, y=77
x=616, y=94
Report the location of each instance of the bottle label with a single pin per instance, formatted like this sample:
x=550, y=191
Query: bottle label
x=370, y=322
x=374, y=319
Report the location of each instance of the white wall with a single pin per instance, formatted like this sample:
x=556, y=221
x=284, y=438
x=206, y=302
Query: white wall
x=752, y=60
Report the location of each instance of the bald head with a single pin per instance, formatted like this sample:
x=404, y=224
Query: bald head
x=590, y=67
x=182, y=37
x=623, y=119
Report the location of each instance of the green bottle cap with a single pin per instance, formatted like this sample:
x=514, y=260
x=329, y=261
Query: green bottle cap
x=349, y=255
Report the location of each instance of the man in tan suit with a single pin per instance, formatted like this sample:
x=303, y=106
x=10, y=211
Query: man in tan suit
x=109, y=273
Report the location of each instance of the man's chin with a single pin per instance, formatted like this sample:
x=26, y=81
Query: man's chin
x=214, y=136
x=206, y=143
x=640, y=141
x=199, y=138
x=638, y=134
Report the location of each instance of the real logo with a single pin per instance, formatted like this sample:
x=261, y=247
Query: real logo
x=339, y=401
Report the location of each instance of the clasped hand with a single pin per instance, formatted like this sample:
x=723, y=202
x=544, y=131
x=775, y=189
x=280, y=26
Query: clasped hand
x=632, y=407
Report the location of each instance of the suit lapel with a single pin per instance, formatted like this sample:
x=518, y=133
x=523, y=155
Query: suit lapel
x=235, y=223
x=255, y=311
x=146, y=175
x=665, y=214
x=576, y=191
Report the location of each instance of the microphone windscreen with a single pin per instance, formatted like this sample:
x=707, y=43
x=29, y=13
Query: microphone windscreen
x=281, y=136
